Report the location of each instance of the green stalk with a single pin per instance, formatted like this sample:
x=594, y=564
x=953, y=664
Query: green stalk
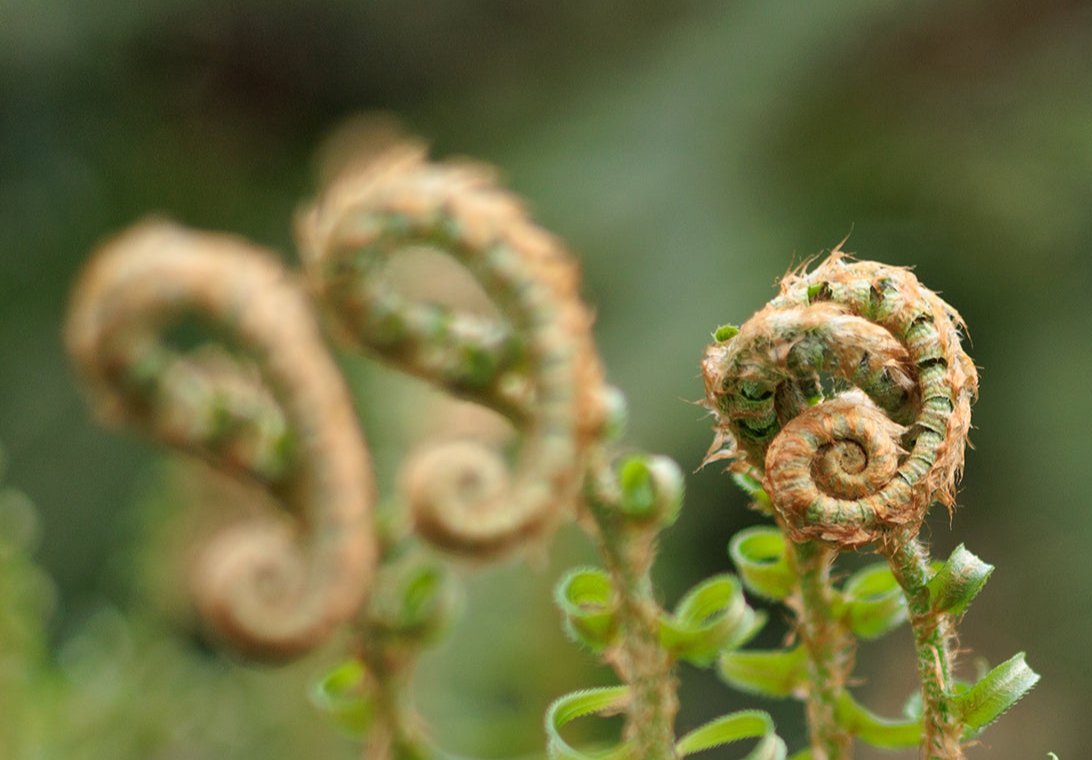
x=640, y=661
x=934, y=640
x=397, y=732
x=829, y=648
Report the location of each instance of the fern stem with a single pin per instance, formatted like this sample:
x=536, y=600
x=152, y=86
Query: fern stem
x=934, y=640
x=829, y=649
x=396, y=734
x=639, y=660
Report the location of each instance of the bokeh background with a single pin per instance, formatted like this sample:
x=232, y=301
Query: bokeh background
x=689, y=152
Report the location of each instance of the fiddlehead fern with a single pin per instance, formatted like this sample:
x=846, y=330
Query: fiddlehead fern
x=537, y=366
x=284, y=417
x=846, y=471
x=859, y=468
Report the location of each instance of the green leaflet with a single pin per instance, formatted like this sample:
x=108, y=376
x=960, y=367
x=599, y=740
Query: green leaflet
x=874, y=601
x=586, y=597
x=418, y=600
x=568, y=708
x=725, y=332
x=746, y=724
x=752, y=486
x=958, y=581
x=651, y=488
x=995, y=693
x=771, y=673
x=877, y=731
x=342, y=694
x=759, y=555
x=712, y=617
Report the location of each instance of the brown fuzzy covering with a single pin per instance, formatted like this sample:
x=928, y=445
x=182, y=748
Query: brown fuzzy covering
x=282, y=417
x=537, y=365
x=888, y=442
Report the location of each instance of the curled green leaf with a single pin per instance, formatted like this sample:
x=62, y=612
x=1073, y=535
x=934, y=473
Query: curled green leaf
x=759, y=556
x=958, y=581
x=746, y=724
x=578, y=704
x=725, y=332
x=752, y=486
x=771, y=673
x=875, y=603
x=424, y=601
x=712, y=617
x=879, y=732
x=994, y=694
x=586, y=597
x=651, y=488
x=343, y=695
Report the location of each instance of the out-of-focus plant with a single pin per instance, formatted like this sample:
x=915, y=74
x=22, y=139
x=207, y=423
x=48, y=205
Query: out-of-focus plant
x=846, y=400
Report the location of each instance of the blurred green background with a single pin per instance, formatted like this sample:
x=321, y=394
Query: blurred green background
x=689, y=152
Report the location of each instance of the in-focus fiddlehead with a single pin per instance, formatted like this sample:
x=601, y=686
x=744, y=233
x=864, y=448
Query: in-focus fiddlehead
x=282, y=416
x=850, y=473
x=847, y=400
x=537, y=365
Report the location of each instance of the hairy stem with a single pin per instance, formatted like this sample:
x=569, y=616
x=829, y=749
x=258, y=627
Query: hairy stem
x=640, y=661
x=397, y=732
x=829, y=647
x=934, y=640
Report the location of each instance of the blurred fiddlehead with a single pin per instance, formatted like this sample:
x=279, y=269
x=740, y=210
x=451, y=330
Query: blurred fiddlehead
x=532, y=361
x=281, y=415
x=846, y=402
x=537, y=365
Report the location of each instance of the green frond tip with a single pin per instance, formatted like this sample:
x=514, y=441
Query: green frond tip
x=958, y=582
x=746, y=724
x=751, y=486
x=343, y=695
x=603, y=701
x=804, y=754
x=759, y=555
x=769, y=673
x=586, y=597
x=425, y=601
x=995, y=693
x=725, y=332
x=874, y=601
x=651, y=488
x=871, y=728
x=711, y=618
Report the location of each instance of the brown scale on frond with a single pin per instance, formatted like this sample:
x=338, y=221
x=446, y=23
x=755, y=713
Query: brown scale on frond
x=844, y=327
x=536, y=365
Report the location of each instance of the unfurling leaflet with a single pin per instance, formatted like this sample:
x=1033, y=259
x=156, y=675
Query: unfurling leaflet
x=536, y=364
x=276, y=411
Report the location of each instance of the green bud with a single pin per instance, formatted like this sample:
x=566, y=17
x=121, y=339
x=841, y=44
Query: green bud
x=725, y=332
x=651, y=488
